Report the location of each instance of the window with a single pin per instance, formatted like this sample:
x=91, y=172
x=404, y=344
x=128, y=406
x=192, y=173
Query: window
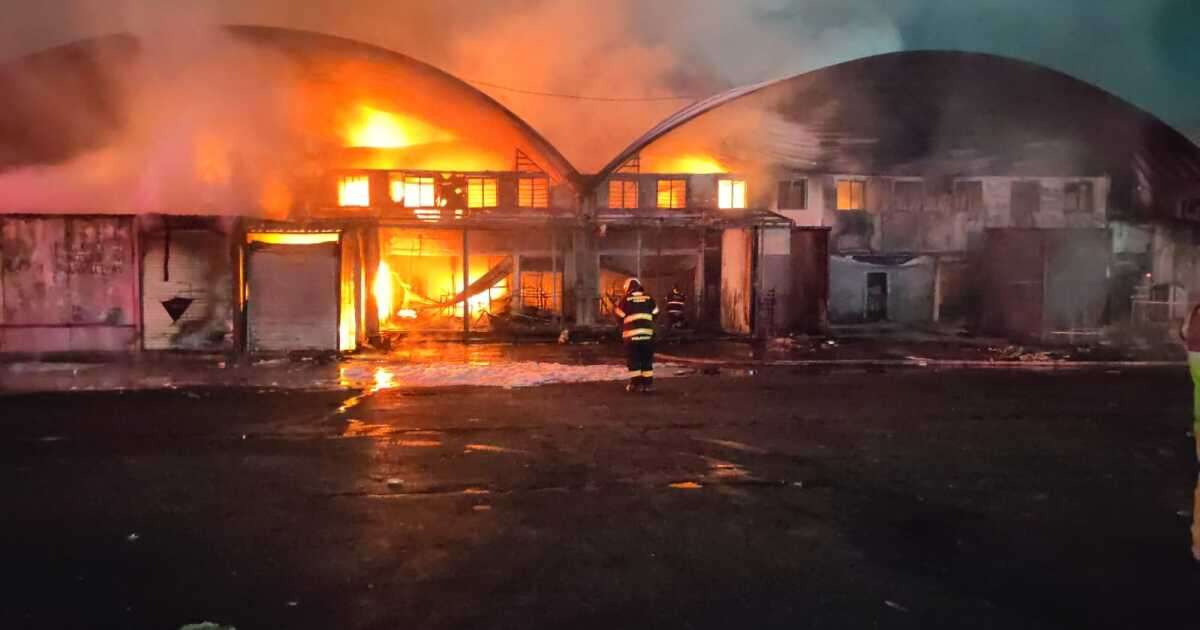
x=908, y=195
x=622, y=193
x=533, y=192
x=851, y=194
x=793, y=194
x=968, y=196
x=354, y=191
x=481, y=192
x=414, y=191
x=1078, y=197
x=1025, y=201
x=672, y=193
x=731, y=193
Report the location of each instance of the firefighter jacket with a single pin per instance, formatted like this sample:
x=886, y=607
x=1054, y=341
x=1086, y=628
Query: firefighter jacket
x=676, y=302
x=637, y=311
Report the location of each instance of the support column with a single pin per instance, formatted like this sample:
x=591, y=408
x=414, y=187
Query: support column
x=466, y=283
x=698, y=290
x=638, y=267
x=555, y=291
x=514, y=291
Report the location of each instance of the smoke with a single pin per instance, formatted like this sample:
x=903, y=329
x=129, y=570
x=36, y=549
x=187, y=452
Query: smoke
x=200, y=126
x=194, y=80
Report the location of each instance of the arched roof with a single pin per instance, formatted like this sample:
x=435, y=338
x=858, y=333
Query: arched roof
x=929, y=112
x=60, y=101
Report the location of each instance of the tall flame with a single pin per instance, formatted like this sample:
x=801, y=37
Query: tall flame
x=382, y=289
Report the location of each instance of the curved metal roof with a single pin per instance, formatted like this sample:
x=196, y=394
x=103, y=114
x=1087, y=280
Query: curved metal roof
x=938, y=112
x=66, y=99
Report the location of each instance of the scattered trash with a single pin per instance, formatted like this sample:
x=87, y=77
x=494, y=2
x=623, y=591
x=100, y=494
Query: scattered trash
x=893, y=605
x=686, y=485
x=132, y=537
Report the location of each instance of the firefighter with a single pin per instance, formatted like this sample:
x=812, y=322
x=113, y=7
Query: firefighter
x=637, y=311
x=1190, y=334
x=676, y=303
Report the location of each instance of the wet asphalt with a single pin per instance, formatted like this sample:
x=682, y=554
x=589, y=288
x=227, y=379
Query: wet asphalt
x=785, y=498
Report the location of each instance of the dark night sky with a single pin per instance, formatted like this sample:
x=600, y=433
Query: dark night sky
x=1143, y=50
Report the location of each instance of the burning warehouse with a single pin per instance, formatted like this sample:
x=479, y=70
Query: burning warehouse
x=335, y=192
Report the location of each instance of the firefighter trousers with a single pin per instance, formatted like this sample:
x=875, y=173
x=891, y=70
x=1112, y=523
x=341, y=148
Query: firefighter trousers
x=639, y=356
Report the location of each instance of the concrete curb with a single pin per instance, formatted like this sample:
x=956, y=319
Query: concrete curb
x=919, y=362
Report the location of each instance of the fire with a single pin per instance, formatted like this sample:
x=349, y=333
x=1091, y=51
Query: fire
x=378, y=129
x=354, y=190
x=691, y=163
x=384, y=297
x=292, y=238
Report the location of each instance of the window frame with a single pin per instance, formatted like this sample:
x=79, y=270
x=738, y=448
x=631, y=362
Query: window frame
x=483, y=181
x=676, y=200
x=624, y=184
x=343, y=181
x=1080, y=186
x=962, y=202
x=791, y=185
x=896, y=185
x=533, y=197
x=733, y=184
x=861, y=184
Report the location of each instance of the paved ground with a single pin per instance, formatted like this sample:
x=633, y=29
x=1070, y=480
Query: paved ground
x=786, y=498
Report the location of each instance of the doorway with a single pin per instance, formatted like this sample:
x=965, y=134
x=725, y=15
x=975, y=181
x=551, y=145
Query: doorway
x=877, y=296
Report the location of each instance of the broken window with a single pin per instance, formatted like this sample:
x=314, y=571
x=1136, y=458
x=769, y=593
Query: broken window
x=793, y=194
x=414, y=191
x=672, y=193
x=1079, y=197
x=533, y=192
x=908, y=195
x=354, y=191
x=481, y=192
x=851, y=194
x=622, y=193
x=968, y=196
x=731, y=193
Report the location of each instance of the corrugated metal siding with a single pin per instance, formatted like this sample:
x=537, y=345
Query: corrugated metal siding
x=197, y=269
x=67, y=284
x=293, y=297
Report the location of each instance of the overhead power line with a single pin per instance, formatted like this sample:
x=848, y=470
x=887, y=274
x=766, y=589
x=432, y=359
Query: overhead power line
x=582, y=97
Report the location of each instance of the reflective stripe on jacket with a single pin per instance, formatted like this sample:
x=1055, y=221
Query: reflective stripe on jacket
x=637, y=313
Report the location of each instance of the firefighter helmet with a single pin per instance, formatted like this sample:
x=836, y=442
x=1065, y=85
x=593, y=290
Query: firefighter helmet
x=631, y=285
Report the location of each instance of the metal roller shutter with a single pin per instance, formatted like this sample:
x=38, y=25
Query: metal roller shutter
x=293, y=297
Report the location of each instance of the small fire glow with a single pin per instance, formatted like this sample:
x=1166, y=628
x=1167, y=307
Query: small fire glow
x=378, y=129
x=384, y=297
x=406, y=313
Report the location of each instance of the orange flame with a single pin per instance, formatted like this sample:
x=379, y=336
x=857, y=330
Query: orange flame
x=384, y=296
x=378, y=129
x=692, y=163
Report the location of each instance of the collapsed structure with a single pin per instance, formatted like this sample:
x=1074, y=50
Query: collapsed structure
x=911, y=187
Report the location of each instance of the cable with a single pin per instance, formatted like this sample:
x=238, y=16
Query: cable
x=580, y=97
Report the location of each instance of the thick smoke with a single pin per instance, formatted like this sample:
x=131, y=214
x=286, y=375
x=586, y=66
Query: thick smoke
x=612, y=48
